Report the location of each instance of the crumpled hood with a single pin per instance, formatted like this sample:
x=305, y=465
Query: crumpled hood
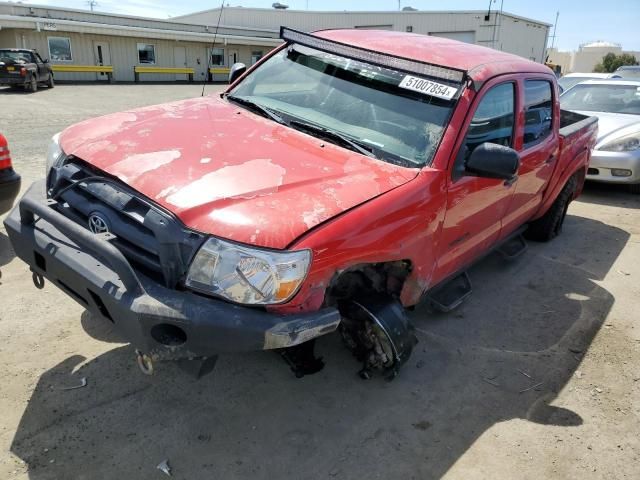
x=610, y=123
x=228, y=172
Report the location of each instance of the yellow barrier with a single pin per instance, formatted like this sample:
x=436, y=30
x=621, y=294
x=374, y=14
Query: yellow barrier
x=137, y=70
x=220, y=70
x=178, y=70
x=83, y=68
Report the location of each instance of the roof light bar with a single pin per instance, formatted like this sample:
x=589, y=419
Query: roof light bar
x=370, y=56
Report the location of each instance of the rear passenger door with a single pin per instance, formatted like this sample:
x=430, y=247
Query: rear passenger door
x=476, y=205
x=537, y=141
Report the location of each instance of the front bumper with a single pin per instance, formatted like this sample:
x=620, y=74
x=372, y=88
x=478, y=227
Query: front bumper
x=163, y=323
x=9, y=189
x=602, y=162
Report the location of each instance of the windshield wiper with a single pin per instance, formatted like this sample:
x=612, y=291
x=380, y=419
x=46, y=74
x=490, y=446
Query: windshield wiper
x=362, y=148
x=256, y=107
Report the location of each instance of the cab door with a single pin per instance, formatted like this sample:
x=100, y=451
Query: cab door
x=476, y=205
x=538, y=142
x=43, y=70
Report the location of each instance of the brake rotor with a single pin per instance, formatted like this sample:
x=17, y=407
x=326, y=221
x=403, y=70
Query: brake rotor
x=379, y=334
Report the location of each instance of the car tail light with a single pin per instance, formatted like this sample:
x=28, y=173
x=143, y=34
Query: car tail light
x=23, y=72
x=5, y=156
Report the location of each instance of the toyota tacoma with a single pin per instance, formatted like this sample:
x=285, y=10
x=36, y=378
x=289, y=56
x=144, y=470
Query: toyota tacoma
x=341, y=180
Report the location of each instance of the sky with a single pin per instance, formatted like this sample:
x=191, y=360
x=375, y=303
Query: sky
x=580, y=21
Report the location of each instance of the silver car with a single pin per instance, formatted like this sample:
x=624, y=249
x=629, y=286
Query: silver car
x=616, y=103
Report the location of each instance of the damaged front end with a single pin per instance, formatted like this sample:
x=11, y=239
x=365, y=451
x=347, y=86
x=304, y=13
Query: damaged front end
x=161, y=323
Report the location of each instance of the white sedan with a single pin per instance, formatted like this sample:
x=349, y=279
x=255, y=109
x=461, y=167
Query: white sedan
x=616, y=103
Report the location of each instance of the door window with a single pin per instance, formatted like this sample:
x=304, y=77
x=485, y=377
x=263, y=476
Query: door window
x=492, y=122
x=538, y=114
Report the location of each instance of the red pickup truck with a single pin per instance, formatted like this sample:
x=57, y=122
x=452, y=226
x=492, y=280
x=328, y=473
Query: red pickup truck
x=346, y=177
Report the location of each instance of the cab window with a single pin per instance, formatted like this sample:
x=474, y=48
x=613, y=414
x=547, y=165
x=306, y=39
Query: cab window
x=493, y=120
x=538, y=111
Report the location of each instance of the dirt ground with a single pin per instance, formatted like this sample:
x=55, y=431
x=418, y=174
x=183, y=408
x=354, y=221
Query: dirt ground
x=536, y=376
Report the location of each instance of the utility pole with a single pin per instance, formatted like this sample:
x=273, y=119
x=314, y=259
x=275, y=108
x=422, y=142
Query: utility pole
x=92, y=3
x=399, y=6
x=555, y=26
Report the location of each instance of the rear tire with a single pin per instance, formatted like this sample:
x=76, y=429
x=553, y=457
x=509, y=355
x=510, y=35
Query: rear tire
x=550, y=224
x=32, y=86
x=50, y=82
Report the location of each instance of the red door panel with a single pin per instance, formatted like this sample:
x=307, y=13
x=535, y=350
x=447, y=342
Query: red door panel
x=538, y=143
x=475, y=205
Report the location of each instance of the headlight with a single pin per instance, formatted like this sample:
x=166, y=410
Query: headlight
x=55, y=155
x=247, y=275
x=623, y=144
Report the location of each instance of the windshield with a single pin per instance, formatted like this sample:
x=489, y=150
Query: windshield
x=567, y=82
x=629, y=72
x=603, y=98
x=359, y=101
x=12, y=56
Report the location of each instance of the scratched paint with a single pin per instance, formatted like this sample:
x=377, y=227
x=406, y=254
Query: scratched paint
x=237, y=181
x=135, y=166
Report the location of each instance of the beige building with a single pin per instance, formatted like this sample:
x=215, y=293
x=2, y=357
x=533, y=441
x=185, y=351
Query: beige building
x=82, y=38
x=502, y=31
x=586, y=57
x=128, y=48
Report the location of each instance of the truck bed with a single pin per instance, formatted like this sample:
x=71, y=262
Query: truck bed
x=571, y=122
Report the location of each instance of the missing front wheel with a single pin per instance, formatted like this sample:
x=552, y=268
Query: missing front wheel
x=378, y=333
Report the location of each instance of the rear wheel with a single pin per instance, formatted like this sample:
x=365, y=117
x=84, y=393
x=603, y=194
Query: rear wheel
x=50, y=82
x=32, y=86
x=550, y=224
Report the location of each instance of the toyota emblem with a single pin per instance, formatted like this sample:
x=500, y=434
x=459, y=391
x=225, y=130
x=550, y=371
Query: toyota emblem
x=97, y=223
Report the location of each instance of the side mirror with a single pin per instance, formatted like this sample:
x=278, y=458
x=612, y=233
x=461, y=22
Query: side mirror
x=494, y=161
x=237, y=69
x=46, y=60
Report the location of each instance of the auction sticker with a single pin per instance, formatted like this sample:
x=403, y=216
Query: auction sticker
x=428, y=87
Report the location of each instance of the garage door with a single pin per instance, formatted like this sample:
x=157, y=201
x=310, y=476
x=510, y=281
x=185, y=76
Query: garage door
x=467, y=37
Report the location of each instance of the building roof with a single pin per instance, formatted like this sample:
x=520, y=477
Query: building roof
x=600, y=44
x=481, y=63
x=18, y=15
x=290, y=11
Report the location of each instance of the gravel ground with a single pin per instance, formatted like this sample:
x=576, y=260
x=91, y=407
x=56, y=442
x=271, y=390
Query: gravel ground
x=562, y=318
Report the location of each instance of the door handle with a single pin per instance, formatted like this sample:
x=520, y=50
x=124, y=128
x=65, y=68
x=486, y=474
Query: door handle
x=551, y=159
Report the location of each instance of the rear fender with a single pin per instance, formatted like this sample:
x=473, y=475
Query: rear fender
x=577, y=166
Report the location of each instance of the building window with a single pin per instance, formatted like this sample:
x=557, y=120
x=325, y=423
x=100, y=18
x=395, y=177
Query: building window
x=217, y=56
x=538, y=113
x=409, y=28
x=146, y=53
x=255, y=56
x=60, y=49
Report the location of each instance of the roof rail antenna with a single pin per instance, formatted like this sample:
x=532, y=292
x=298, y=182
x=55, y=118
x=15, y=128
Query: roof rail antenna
x=213, y=44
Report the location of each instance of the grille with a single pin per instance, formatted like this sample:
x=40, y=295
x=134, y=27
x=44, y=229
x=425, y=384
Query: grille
x=152, y=239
